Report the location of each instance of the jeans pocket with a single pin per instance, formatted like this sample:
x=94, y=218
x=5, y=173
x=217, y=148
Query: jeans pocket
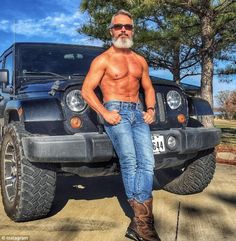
x=112, y=107
x=139, y=116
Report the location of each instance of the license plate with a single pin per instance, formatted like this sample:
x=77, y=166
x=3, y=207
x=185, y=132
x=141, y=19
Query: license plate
x=158, y=143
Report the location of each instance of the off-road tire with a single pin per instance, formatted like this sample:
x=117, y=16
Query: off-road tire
x=34, y=184
x=193, y=178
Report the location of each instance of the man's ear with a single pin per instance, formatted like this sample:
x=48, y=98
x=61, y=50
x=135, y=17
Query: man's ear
x=110, y=32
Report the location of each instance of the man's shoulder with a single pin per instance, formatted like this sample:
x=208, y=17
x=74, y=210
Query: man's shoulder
x=141, y=59
x=101, y=60
x=138, y=56
x=103, y=57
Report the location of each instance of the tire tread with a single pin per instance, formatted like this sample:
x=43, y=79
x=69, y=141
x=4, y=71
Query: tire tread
x=196, y=176
x=37, y=183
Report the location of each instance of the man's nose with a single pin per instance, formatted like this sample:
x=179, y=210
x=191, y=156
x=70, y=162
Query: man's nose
x=123, y=29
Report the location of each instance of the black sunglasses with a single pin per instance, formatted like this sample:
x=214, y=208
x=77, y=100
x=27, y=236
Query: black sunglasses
x=119, y=26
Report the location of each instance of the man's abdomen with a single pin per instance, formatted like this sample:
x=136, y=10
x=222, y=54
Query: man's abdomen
x=125, y=89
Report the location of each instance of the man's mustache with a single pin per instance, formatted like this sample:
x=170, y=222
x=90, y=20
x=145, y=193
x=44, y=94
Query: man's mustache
x=123, y=34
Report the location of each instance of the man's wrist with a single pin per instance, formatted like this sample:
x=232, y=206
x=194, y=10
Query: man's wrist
x=151, y=108
x=104, y=112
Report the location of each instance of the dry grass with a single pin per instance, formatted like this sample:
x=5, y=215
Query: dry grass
x=228, y=128
x=225, y=123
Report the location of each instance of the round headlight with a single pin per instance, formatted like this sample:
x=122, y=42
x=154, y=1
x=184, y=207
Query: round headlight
x=173, y=99
x=75, y=101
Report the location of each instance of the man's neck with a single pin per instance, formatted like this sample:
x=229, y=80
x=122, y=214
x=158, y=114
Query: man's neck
x=120, y=50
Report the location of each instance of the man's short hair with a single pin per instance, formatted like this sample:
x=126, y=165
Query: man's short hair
x=121, y=12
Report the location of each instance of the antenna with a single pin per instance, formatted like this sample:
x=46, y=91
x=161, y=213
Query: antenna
x=14, y=30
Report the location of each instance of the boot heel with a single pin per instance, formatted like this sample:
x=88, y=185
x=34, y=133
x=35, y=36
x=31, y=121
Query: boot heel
x=131, y=235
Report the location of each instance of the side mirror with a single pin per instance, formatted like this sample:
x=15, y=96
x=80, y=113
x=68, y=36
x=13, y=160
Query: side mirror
x=4, y=76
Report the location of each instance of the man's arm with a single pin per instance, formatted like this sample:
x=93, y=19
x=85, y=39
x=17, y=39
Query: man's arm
x=92, y=80
x=150, y=100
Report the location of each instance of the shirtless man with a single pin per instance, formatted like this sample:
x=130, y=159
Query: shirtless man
x=119, y=72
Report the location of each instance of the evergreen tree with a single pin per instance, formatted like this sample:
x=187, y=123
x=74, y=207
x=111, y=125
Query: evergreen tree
x=158, y=35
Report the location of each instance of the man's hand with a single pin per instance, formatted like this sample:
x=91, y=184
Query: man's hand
x=149, y=116
x=112, y=117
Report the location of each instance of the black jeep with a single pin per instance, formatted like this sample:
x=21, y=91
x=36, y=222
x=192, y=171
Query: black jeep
x=47, y=128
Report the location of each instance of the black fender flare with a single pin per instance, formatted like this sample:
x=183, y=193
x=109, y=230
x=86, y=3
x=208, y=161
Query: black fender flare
x=199, y=107
x=32, y=110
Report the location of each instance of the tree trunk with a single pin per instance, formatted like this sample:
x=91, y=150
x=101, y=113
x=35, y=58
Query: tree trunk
x=176, y=64
x=207, y=64
x=206, y=86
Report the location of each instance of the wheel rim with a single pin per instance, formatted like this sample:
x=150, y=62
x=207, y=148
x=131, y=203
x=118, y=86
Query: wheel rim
x=10, y=171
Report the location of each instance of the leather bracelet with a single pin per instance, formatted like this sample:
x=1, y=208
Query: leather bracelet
x=151, y=108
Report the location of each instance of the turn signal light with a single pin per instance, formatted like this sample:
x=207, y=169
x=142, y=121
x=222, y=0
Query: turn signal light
x=181, y=118
x=75, y=122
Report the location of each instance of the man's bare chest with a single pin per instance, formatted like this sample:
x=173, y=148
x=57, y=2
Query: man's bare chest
x=121, y=67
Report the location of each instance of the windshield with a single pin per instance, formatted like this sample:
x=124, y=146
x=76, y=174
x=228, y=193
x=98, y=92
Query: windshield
x=56, y=59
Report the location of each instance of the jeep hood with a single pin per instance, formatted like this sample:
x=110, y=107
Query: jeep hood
x=46, y=86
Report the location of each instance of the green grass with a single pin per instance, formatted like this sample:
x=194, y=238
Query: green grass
x=228, y=129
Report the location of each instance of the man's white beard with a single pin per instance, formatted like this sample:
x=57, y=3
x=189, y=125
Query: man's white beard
x=122, y=43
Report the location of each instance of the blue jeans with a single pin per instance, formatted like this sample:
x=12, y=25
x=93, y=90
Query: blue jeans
x=132, y=141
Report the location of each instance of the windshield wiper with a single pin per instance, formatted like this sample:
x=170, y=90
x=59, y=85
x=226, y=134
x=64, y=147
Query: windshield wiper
x=42, y=73
x=78, y=74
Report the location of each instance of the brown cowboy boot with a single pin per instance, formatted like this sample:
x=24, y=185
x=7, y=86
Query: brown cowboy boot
x=142, y=227
x=132, y=225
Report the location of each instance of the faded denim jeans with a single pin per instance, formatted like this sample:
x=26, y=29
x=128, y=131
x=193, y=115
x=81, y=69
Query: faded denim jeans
x=131, y=139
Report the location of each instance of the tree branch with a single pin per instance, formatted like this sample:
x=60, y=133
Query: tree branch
x=186, y=75
x=190, y=65
x=219, y=9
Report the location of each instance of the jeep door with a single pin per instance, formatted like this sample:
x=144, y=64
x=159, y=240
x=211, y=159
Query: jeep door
x=6, y=89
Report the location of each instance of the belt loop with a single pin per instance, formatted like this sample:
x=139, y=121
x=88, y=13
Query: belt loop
x=139, y=106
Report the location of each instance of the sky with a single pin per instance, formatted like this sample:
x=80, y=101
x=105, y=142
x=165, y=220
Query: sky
x=56, y=21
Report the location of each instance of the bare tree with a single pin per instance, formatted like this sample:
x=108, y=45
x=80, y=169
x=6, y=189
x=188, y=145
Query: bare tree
x=226, y=101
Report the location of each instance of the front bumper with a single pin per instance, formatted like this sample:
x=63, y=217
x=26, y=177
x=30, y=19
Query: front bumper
x=85, y=147
x=191, y=140
x=94, y=147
